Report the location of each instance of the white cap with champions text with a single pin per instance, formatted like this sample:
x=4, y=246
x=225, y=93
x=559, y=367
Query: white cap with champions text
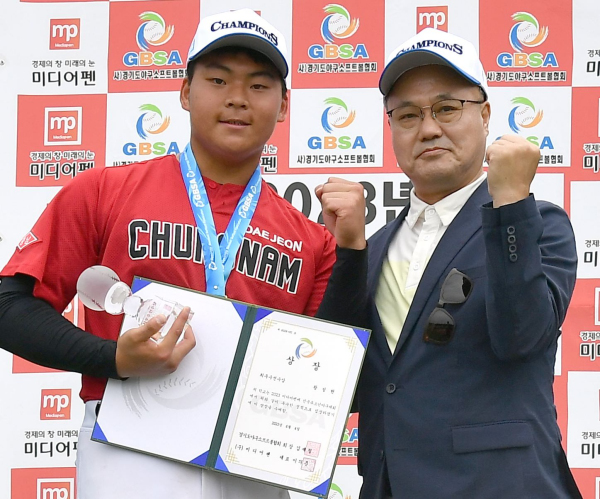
x=240, y=28
x=432, y=46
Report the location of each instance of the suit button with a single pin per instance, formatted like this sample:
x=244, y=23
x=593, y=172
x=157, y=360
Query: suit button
x=381, y=455
x=390, y=388
x=510, y=229
x=512, y=257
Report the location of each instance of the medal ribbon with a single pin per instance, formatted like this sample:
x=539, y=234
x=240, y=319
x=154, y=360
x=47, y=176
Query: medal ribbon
x=219, y=259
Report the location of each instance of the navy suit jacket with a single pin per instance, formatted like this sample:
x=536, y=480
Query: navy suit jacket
x=473, y=419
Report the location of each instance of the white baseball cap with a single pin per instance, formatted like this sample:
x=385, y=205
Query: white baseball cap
x=432, y=46
x=240, y=28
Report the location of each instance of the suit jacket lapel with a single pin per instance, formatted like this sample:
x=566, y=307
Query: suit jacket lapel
x=377, y=253
x=466, y=223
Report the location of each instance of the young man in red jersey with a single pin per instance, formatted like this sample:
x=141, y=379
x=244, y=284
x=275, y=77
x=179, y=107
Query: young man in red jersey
x=144, y=219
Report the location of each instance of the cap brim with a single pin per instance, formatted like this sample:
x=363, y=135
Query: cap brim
x=410, y=60
x=249, y=41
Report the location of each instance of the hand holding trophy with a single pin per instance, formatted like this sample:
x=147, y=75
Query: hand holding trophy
x=99, y=288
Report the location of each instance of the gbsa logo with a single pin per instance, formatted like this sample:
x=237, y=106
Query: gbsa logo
x=336, y=115
x=151, y=122
x=527, y=34
x=337, y=24
x=335, y=492
x=153, y=32
x=305, y=349
x=524, y=115
x=350, y=436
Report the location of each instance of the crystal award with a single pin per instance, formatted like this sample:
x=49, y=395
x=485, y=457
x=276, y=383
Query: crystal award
x=99, y=288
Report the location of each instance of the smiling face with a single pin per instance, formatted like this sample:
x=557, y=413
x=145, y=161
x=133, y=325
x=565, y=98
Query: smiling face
x=439, y=158
x=234, y=101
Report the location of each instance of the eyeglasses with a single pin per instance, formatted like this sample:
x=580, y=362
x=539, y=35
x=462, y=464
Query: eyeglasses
x=456, y=288
x=443, y=111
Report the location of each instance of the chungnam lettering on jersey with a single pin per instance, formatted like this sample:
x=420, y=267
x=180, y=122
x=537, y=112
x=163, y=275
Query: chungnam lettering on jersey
x=266, y=261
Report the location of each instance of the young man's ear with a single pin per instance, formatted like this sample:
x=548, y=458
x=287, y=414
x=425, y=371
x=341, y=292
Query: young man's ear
x=184, y=94
x=283, y=110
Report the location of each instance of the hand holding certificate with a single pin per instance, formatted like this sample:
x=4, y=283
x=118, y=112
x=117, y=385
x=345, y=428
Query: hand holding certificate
x=141, y=351
x=264, y=394
x=146, y=351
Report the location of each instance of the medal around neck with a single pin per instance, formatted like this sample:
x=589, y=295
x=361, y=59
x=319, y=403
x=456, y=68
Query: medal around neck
x=99, y=288
x=219, y=257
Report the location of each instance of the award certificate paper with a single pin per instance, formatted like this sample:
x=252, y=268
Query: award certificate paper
x=264, y=394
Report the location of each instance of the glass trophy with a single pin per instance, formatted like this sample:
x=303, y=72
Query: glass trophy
x=99, y=288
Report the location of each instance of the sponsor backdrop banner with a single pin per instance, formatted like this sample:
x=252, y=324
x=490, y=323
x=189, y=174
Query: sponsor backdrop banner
x=95, y=83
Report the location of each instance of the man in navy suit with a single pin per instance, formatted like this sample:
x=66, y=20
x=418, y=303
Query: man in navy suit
x=468, y=288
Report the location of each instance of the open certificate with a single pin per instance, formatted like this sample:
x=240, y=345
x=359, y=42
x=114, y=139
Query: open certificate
x=264, y=394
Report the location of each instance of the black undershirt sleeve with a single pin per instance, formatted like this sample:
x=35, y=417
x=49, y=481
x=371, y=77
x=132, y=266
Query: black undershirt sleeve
x=32, y=329
x=345, y=298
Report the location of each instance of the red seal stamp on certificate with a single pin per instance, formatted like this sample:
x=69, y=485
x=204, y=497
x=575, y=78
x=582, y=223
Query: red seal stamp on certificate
x=308, y=464
x=312, y=449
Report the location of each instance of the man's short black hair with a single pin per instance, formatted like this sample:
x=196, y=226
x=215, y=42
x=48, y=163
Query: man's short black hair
x=257, y=57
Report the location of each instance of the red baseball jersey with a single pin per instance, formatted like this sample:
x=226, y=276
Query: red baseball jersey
x=137, y=220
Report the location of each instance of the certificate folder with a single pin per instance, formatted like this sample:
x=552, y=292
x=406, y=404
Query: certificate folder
x=264, y=395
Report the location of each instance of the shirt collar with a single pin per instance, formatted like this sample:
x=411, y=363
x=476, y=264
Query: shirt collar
x=446, y=208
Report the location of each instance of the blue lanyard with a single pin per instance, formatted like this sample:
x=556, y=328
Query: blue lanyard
x=219, y=259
